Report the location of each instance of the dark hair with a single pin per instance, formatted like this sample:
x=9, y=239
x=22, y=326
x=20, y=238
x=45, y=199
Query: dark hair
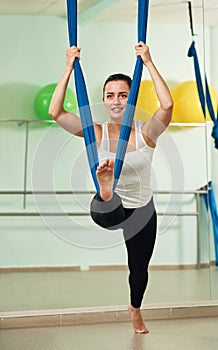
x=116, y=77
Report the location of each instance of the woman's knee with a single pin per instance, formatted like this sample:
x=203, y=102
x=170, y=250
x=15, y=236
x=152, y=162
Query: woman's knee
x=139, y=277
x=107, y=214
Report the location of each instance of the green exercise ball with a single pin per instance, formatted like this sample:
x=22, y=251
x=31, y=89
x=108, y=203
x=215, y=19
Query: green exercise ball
x=43, y=100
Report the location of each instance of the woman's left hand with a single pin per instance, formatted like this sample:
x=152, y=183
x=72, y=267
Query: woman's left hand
x=143, y=50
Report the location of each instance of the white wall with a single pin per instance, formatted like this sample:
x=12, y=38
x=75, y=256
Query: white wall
x=33, y=55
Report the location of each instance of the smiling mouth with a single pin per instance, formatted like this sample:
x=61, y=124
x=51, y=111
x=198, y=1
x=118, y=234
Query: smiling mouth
x=117, y=109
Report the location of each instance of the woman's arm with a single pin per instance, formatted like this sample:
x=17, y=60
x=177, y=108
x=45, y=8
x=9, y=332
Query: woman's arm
x=66, y=120
x=162, y=117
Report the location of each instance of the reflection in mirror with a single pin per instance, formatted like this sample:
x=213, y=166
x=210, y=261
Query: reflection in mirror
x=211, y=48
x=56, y=262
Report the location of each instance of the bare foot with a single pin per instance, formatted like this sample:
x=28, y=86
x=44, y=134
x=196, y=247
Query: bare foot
x=137, y=321
x=105, y=176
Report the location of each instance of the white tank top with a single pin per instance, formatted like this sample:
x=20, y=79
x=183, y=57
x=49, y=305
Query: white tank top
x=133, y=186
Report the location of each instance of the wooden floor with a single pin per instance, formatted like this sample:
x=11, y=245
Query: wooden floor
x=188, y=334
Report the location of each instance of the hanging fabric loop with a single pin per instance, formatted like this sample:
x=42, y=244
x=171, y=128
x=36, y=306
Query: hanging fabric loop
x=205, y=98
x=83, y=101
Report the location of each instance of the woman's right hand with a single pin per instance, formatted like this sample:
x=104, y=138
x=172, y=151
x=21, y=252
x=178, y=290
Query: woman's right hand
x=71, y=54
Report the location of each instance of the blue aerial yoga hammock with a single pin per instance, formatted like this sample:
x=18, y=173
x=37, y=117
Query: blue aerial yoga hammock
x=193, y=53
x=210, y=200
x=82, y=96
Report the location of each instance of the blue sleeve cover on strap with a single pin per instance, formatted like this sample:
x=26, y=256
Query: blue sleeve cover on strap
x=133, y=95
x=82, y=96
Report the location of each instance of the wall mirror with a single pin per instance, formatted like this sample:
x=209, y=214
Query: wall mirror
x=58, y=262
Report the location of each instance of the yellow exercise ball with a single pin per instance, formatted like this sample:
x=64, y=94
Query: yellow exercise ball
x=147, y=102
x=187, y=106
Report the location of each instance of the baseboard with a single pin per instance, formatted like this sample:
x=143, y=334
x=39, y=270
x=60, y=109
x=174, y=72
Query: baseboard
x=67, y=317
x=40, y=269
x=100, y=268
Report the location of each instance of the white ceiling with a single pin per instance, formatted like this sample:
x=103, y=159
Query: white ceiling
x=169, y=11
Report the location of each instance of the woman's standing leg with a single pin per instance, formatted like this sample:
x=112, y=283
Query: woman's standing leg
x=140, y=247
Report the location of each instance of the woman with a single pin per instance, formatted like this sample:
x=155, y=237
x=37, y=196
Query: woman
x=134, y=189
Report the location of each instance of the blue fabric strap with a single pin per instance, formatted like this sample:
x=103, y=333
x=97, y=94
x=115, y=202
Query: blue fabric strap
x=193, y=53
x=82, y=96
x=214, y=215
x=212, y=114
x=133, y=95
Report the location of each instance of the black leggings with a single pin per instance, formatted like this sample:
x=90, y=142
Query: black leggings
x=140, y=247
x=139, y=231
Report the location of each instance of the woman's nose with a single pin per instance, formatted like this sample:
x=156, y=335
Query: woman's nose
x=116, y=99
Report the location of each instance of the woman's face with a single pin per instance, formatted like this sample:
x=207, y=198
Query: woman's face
x=115, y=98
